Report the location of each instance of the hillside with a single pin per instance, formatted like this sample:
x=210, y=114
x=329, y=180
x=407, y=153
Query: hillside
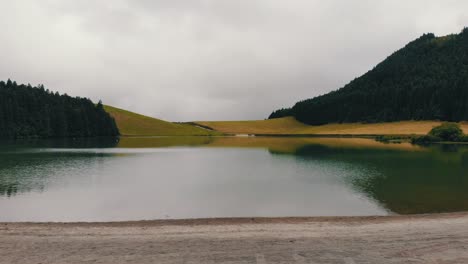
x=425, y=80
x=290, y=126
x=27, y=111
x=132, y=124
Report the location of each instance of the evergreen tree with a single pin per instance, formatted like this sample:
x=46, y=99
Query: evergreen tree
x=27, y=111
x=426, y=80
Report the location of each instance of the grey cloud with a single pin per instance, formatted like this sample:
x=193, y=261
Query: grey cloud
x=209, y=59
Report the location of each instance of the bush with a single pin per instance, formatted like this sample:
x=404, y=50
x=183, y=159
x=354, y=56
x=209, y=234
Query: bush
x=390, y=139
x=447, y=132
x=423, y=140
x=450, y=132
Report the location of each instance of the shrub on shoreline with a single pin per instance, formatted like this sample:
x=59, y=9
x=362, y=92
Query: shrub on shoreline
x=390, y=139
x=447, y=132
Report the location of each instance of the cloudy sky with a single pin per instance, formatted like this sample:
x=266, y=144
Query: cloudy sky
x=209, y=59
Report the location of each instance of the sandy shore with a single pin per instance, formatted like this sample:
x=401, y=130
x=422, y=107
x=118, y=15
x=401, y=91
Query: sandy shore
x=397, y=239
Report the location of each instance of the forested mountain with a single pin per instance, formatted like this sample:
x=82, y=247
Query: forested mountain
x=27, y=111
x=426, y=80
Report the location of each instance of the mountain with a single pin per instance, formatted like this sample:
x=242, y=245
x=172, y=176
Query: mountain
x=27, y=111
x=425, y=80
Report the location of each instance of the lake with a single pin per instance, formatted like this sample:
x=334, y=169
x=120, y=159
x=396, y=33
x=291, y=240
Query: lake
x=200, y=177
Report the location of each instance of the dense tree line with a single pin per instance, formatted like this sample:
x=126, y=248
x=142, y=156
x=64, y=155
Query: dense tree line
x=283, y=112
x=27, y=111
x=426, y=80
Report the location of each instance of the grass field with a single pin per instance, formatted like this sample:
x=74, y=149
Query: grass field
x=290, y=126
x=132, y=124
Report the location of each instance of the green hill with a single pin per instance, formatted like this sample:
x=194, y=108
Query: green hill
x=425, y=80
x=132, y=124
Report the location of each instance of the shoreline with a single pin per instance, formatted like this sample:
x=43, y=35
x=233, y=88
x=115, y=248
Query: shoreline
x=244, y=220
x=434, y=238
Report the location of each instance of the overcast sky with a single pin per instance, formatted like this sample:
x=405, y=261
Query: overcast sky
x=209, y=59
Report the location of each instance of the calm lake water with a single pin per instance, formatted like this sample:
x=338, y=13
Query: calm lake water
x=169, y=178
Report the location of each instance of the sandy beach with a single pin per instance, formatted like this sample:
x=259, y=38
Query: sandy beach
x=439, y=238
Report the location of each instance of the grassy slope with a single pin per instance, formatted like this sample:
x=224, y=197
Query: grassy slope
x=289, y=125
x=132, y=124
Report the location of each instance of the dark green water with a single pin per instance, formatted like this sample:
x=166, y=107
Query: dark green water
x=159, y=178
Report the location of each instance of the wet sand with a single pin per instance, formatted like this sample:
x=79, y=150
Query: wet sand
x=438, y=238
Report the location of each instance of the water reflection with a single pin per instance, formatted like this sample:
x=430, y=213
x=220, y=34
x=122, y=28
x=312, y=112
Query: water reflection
x=405, y=182
x=403, y=178
x=184, y=177
x=33, y=171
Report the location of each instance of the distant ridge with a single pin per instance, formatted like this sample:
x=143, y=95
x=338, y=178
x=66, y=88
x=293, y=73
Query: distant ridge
x=425, y=80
